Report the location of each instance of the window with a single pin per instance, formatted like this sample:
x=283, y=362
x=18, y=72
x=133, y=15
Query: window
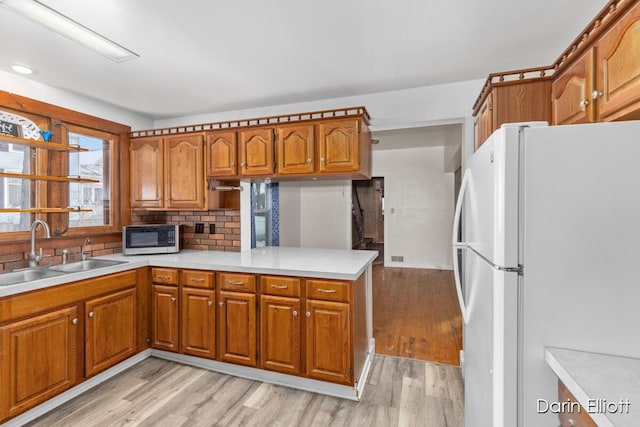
x=15, y=193
x=264, y=214
x=93, y=164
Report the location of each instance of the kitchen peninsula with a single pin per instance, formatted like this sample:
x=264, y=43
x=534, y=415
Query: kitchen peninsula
x=291, y=316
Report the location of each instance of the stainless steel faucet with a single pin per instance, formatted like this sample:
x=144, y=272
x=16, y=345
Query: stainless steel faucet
x=34, y=259
x=82, y=252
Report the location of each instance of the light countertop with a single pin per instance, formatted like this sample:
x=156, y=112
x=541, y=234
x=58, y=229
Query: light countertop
x=593, y=377
x=306, y=262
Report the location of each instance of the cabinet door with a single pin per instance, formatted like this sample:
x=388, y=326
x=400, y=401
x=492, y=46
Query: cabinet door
x=184, y=175
x=328, y=341
x=237, y=322
x=295, y=149
x=198, y=322
x=256, y=151
x=110, y=330
x=164, y=317
x=221, y=153
x=146, y=173
x=484, y=124
x=339, y=145
x=280, y=334
x=39, y=357
x=571, y=92
x=618, y=64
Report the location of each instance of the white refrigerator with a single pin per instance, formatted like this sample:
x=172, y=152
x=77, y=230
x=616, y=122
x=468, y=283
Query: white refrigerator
x=546, y=253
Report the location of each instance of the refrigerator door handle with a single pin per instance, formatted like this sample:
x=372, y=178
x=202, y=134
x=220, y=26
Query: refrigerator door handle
x=458, y=244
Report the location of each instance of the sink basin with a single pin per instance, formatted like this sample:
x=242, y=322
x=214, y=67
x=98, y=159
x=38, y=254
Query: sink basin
x=26, y=275
x=89, y=264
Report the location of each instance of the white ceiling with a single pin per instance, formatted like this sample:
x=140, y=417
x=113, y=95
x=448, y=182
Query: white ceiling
x=211, y=56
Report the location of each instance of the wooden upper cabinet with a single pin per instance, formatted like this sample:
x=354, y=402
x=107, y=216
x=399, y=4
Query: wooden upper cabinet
x=39, y=357
x=255, y=149
x=110, y=330
x=339, y=145
x=618, y=67
x=221, y=153
x=184, y=174
x=147, y=173
x=295, y=148
x=571, y=92
x=484, y=121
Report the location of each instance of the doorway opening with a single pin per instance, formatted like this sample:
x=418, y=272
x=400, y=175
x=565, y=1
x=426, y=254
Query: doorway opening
x=368, y=216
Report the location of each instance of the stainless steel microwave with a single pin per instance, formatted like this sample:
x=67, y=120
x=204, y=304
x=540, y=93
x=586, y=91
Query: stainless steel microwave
x=150, y=239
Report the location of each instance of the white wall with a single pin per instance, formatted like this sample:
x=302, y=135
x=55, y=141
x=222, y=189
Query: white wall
x=446, y=103
x=31, y=89
x=315, y=214
x=419, y=207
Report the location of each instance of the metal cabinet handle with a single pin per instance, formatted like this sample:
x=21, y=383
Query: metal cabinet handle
x=308, y=314
x=596, y=94
x=322, y=159
x=74, y=321
x=232, y=164
x=91, y=314
x=164, y=277
x=279, y=286
x=327, y=291
x=309, y=160
x=571, y=423
x=295, y=313
x=235, y=283
x=243, y=164
x=221, y=303
x=197, y=279
x=173, y=299
x=584, y=103
x=209, y=303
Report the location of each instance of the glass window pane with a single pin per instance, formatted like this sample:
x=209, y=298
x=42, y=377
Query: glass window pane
x=92, y=164
x=15, y=193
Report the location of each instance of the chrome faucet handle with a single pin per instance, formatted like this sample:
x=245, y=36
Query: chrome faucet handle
x=40, y=255
x=65, y=256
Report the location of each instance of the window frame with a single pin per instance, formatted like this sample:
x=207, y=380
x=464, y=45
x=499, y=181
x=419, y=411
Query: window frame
x=47, y=117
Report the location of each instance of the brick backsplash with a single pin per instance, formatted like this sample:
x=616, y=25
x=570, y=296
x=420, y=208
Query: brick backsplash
x=225, y=238
x=15, y=255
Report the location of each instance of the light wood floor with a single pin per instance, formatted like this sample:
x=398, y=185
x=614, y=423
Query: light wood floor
x=416, y=314
x=399, y=392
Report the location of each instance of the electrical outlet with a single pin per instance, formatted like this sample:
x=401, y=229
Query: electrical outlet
x=199, y=227
x=212, y=229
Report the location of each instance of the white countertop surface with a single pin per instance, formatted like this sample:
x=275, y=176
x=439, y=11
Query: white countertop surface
x=306, y=262
x=593, y=376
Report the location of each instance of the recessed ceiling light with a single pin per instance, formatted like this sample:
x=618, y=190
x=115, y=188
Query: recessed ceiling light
x=22, y=69
x=61, y=24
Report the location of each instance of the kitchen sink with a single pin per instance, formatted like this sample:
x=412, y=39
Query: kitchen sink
x=27, y=275
x=88, y=264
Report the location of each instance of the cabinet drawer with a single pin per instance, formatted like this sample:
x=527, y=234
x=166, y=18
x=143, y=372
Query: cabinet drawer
x=165, y=276
x=283, y=286
x=237, y=282
x=198, y=279
x=328, y=290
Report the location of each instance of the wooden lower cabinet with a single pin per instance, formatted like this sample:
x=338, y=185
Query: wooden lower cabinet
x=574, y=418
x=39, y=357
x=280, y=334
x=237, y=323
x=110, y=330
x=198, y=322
x=164, y=317
x=328, y=341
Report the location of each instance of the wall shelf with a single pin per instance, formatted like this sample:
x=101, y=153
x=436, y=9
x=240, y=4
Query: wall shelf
x=53, y=146
x=46, y=177
x=43, y=210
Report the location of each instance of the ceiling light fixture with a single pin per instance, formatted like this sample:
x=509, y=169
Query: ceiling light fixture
x=54, y=20
x=22, y=69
